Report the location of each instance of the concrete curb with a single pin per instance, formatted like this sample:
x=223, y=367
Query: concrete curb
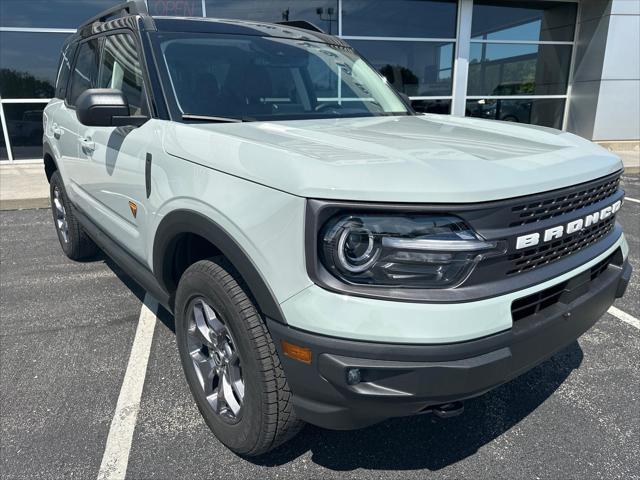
x=24, y=203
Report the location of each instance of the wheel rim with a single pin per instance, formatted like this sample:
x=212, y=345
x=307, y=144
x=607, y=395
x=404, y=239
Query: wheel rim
x=61, y=215
x=215, y=361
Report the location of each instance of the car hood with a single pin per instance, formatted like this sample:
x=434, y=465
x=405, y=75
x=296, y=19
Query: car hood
x=423, y=158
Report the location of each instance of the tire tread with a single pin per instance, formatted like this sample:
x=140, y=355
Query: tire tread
x=280, y=422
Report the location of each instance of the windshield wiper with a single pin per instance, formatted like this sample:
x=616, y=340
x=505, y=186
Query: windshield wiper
x=207, y=118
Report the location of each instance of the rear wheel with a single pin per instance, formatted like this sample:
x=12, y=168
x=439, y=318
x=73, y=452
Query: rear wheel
x=74, y=241
x=230, y=361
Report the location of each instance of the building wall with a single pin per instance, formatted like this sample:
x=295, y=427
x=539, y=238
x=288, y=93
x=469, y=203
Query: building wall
x=605, y=93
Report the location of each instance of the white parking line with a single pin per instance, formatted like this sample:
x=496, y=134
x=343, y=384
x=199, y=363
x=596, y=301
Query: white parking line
x=116, y=453
x=625, y=317
x=629, y=199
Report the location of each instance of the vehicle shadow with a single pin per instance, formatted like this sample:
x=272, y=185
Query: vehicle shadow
x=162, y=314
x=419, y=442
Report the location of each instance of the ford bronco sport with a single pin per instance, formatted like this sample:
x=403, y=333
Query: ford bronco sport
x=330, y=255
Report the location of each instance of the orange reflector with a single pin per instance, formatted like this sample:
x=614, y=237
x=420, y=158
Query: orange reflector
x=296, y=352
x=134, y=209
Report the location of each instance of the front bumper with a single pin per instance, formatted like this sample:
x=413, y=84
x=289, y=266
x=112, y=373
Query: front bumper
x=406, y=379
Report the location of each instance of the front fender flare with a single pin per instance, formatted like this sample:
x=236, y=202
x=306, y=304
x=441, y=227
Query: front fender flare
x=187, y=221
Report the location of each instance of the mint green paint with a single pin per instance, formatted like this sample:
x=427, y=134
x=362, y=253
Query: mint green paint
x=427, y=158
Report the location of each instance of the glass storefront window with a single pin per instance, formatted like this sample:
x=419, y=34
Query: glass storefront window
x=528, y=21
x=28, y=64
x=323, y=13
x=400, y=18
x=518, y=69
x=414, y=68
x=175, y=8
x=547, y=112
x=50, y=13
x=432, y=106
x=24, y=124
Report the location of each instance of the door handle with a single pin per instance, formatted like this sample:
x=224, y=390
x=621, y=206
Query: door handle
x=88, y=145
x=57, y=131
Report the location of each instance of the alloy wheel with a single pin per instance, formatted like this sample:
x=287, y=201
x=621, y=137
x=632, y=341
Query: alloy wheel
x=215, y=360
x=61, y=215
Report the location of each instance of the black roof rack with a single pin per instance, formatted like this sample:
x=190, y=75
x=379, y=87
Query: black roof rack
x=132, y=7
x=302, y=24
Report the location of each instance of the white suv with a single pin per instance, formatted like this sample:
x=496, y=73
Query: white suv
x=330, y=255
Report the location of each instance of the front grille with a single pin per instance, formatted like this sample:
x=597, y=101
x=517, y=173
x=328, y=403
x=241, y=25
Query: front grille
x=554, y=251
x=539, y=301
x=564, y=202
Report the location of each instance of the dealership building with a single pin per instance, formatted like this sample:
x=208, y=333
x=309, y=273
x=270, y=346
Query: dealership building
x=572, y=65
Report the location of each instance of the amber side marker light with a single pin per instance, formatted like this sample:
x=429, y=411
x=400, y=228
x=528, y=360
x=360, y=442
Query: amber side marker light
x=296, y=352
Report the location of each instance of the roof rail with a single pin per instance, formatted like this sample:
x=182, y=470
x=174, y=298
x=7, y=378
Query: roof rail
x=303, y=24
x=132, y=7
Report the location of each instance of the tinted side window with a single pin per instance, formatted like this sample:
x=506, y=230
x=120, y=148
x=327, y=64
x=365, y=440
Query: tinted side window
x=64, y=69
x=85, y=70
x=120, y=69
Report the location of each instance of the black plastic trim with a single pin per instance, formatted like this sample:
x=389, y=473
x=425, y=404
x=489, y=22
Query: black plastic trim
x=147, y=174
x=243, y=27
x=139, y=272
x=131, y=7
x=47, y=150
x=186, y=221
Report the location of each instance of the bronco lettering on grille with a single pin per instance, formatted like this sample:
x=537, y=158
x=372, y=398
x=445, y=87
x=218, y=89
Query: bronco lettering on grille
x=554, y=233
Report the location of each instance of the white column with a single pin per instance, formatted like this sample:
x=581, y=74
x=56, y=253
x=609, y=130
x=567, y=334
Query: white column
x=461, y=63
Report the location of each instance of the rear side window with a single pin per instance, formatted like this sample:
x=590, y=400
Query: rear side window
x=85, y=70
x=120, y=69
x=64, y=69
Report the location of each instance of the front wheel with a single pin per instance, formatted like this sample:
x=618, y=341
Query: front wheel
x=230, y=361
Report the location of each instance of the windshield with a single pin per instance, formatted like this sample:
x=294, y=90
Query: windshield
x=265, y=78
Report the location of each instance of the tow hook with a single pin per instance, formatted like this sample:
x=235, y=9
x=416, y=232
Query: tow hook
x=448, y=410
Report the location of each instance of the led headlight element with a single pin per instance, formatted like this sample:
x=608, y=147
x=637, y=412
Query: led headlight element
x=417, y=251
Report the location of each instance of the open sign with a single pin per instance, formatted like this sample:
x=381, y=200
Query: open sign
x=175, y=8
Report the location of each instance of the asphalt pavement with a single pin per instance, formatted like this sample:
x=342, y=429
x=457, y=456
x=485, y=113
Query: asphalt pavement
x=66, y=332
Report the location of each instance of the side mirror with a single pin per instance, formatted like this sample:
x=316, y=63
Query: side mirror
x=105, y=107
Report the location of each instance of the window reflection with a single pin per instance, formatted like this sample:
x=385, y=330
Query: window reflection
x=85, y=71
x=547, y=112
x=516, y=69
x=323, y=13
x=24, y=124
x=442, y=106
x=533, y=21
x=28, y=64
x=414, y=68
x=50, y=13
x=120, y=69
x=400, y=18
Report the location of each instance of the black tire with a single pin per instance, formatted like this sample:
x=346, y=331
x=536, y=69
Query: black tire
x=267, y=418
x=74, y=241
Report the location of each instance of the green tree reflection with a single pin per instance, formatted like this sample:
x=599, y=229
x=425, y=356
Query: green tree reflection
x=16, y=84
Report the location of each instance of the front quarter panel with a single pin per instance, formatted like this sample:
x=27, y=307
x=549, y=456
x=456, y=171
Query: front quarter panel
x=267, y=224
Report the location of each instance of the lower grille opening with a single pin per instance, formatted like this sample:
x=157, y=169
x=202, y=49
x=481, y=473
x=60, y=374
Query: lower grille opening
x=539, y=301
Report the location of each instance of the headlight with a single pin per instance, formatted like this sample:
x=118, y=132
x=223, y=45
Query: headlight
x=417, y=251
